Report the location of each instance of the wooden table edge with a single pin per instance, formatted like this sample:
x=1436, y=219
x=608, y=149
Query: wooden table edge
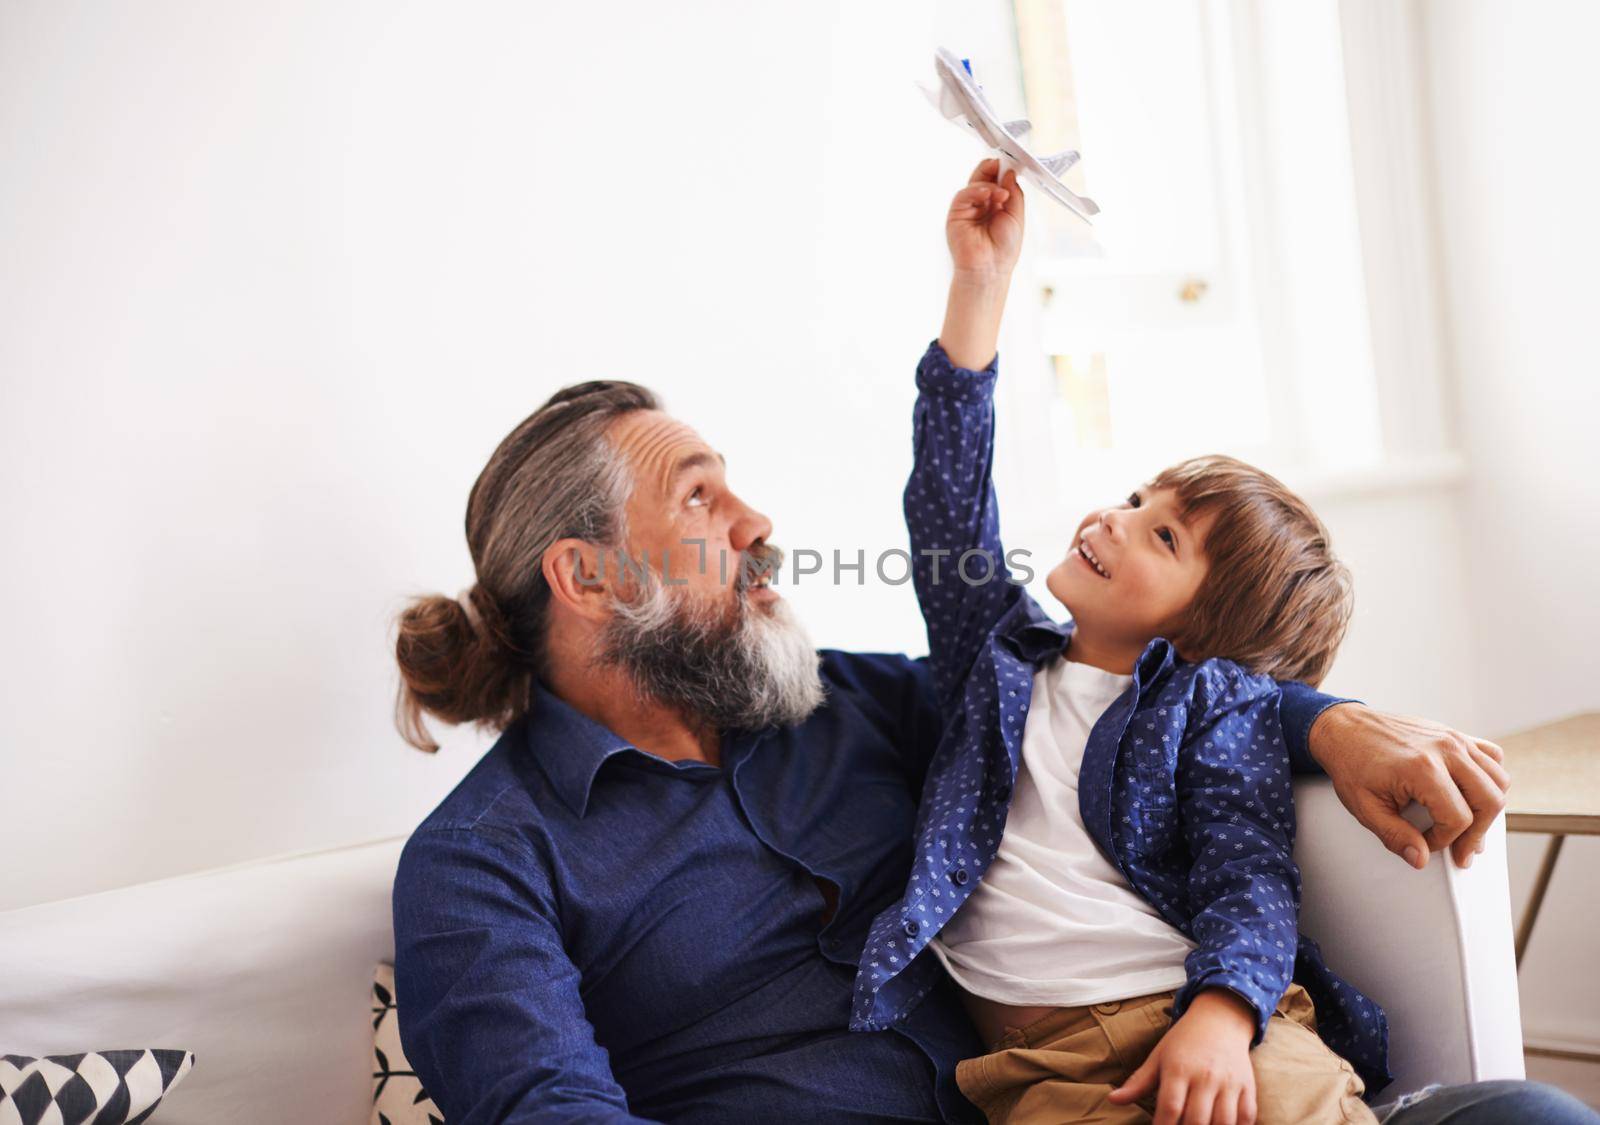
x=1563, y=824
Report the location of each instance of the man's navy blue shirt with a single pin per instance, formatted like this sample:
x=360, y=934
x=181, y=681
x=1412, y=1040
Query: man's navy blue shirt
x=1185, y=779
x=585, y=931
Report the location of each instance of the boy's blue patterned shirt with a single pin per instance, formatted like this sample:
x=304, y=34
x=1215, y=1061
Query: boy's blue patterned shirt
x=1185, y=781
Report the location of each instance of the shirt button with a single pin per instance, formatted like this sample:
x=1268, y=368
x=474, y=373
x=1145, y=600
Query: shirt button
x=960, y=876
x=911, y=928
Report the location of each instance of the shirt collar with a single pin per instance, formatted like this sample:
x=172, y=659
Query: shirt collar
x=1031, y=633
x=569, y=746
x=1157, y=658
x=1035, y=637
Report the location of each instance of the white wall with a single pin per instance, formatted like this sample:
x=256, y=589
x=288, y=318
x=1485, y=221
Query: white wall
x=1512, y=93
x=276, y=279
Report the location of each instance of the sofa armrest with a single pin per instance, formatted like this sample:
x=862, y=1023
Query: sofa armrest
x=1433, y=947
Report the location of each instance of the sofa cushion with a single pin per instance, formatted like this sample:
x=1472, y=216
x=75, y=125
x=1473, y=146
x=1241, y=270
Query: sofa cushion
x=397, y=1094
x=106, y=1087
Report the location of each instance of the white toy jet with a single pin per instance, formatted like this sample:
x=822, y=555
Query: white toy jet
x=960, y=98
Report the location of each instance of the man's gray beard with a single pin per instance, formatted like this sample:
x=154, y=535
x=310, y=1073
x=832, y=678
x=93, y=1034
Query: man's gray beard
x=735, y=669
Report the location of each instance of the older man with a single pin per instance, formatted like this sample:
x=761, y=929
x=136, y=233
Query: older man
x=648, y=899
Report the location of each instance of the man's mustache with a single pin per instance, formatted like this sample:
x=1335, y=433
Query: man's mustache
x=759, y=560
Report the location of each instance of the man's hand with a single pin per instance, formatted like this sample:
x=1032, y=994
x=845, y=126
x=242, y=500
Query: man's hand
x=1201, y=1068
x=1381, y=763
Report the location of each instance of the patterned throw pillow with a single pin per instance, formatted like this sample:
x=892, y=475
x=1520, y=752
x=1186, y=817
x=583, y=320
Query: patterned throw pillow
x=95, y=1088
x=397, y=1094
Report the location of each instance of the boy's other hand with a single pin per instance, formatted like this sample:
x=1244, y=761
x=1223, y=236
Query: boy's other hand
x=1201, y=1068
x=984, y=226
x=1380, y=763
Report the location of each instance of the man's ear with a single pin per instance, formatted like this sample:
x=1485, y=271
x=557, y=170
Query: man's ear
x=581, y=576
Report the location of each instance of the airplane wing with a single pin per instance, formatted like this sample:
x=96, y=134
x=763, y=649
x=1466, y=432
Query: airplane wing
x=960, y=99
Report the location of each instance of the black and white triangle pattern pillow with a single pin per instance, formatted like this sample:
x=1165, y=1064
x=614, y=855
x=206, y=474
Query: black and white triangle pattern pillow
x=397, y=1094
x=94, y=1088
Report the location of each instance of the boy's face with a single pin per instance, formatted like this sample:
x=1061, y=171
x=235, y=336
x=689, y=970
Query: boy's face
x=1134, y=569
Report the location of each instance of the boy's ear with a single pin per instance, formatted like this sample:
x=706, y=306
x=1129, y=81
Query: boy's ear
x=580, y=576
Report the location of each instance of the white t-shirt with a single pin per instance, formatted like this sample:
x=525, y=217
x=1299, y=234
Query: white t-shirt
x=1053, y=922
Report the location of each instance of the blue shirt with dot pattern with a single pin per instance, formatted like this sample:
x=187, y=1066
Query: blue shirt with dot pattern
x=1185, y=781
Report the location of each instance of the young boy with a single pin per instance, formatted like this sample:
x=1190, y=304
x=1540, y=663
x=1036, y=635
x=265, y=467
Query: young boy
x=1104, y=860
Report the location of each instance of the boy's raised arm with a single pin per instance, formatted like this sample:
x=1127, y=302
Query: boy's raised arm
x=958, y=565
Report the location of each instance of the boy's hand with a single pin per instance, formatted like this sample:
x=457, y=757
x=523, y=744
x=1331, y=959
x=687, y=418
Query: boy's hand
x=1201, y=1067
x=984, y=229
x=984, y=226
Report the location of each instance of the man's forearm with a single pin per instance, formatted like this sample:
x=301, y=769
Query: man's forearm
x=1300, y=710
x=972, y=318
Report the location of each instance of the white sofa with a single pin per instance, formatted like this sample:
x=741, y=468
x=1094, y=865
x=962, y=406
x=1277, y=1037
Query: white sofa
x=263, y=969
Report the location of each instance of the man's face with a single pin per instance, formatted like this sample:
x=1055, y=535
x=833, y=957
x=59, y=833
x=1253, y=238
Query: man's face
x=1134, y=569
x=683, y=512
x=704, y=632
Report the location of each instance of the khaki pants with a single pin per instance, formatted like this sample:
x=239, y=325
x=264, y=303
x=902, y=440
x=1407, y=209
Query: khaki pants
x=1060, y=1068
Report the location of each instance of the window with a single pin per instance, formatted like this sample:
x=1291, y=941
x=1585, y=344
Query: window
x=1218, y=303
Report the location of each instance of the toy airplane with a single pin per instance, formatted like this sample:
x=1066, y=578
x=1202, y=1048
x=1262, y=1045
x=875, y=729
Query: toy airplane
x=961, y=99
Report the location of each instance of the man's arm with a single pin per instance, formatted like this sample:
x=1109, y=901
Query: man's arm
x=490, y=1013
x=1299, y=709
x=1380, y=763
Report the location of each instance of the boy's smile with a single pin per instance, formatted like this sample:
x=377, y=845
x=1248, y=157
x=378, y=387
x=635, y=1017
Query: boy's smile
x=1131, y=574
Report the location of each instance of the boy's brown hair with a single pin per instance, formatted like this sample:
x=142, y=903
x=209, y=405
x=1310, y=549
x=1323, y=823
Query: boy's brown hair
x=1275, y=600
